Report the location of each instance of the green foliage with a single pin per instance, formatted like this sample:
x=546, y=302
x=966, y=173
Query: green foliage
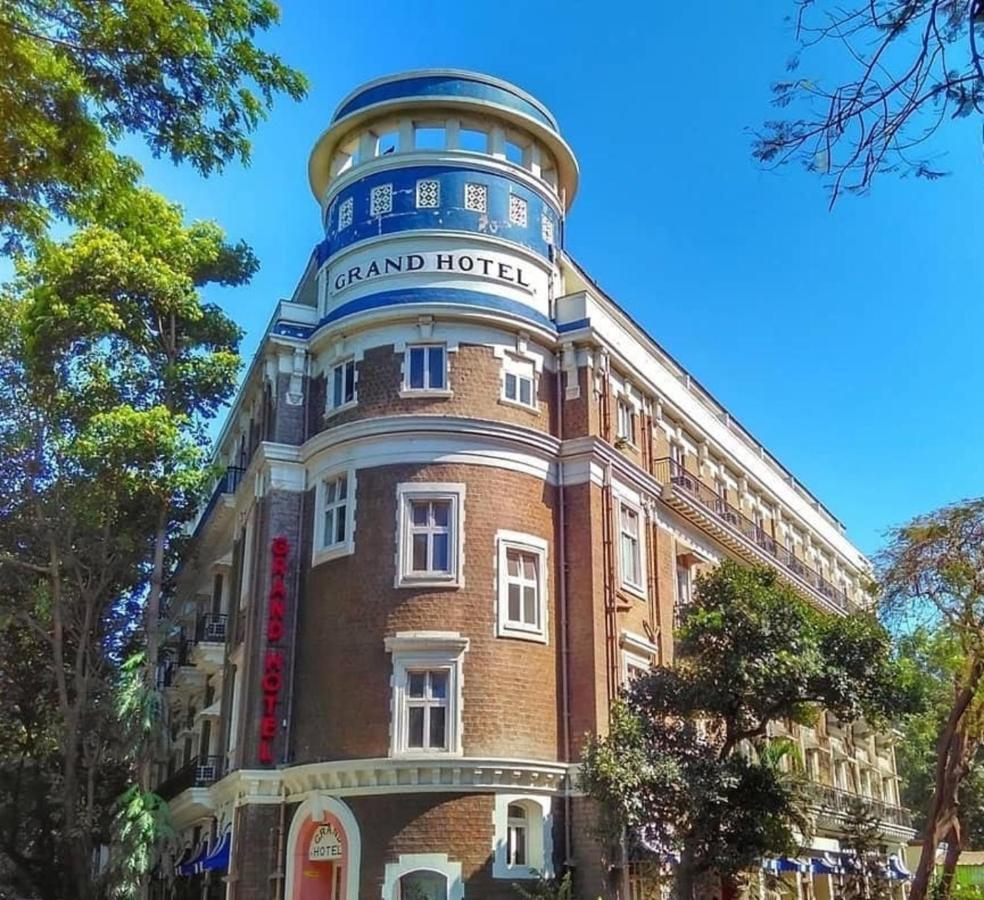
x=113, y=363
x=866, y=878
x=141, y=822
x=687, y=761
x=547, y=888
x=76, y=77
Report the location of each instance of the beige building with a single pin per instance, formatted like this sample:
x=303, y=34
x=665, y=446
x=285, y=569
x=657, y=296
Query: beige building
x=464, y=495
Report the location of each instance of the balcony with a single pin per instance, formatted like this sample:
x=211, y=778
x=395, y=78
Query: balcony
x=208, y=650
x=222, y=491
x=685, y=492
x=201, y=772
x=840, y=803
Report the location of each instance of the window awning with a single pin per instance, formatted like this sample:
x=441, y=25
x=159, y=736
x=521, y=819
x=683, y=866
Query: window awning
x=824, y=865
x=193, y=865
x=897, y=870
x=218, y=859
x=783, y=864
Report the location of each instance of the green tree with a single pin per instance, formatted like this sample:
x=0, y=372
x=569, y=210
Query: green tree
x=936, y=657
x=77, y=76
x=687, y=761
x=116, y=363
x=932, y=575
x=865, y=875
x=910, y=67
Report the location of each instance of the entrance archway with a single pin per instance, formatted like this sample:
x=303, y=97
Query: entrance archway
x=323, y=851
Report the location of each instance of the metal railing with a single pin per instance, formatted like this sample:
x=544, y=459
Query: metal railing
x=200, y=772
x=669, y=471
x=837, y=800
x=211, y=628
x=226, y=483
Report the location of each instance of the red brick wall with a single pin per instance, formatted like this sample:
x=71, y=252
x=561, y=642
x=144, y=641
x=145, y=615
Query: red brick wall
x=342, y=699
x=474, y=380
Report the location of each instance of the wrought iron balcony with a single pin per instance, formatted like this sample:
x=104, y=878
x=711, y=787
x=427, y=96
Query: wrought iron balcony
x=211, y=628
x=841, y=803
x=226, y=483
x=670, y=472
x=200, y=772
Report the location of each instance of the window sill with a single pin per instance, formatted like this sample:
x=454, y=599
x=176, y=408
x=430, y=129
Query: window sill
x=532, y=410
x=443, y=393
x=518, y=872
x=519, y=634
x=339, y=409
x=426, y=754
x=639, y=593
x=428, y=581
x=326, y=554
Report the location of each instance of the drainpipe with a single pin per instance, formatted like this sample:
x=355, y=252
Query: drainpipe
x=562, y=602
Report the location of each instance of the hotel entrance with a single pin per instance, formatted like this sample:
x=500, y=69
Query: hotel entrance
x=323, y=851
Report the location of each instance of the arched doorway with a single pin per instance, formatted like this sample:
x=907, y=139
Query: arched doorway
x=323, y=851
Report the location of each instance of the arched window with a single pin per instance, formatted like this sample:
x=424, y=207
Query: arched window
x=517, y=835
x=423, y=885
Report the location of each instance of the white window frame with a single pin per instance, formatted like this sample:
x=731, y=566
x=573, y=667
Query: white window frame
x=330, y=407
x=638, y=652
x=638, y=589
x=623, y=405
x=414, y=651
x=321, y=552
x=427, y=491
x=539, y=834
x=520, y=368
x=407, y=863
x=526, y=543
x=427, y=346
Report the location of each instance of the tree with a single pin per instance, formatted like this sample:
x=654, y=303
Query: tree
x=932, y=571
x=865, y=875
x=932, y=574
x=115, y=363
x=914, y=66
x=688, y=761
x=77, y=76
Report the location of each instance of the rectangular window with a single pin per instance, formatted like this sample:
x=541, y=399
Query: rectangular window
x=625, y=422
x=519, y=382
x=335, y=517
x=684, y=592
x=345, y=214
x=427, y=710
x=428, y=193
x=425, y=368
x=429, y=539
x=426, y=700
x=517, y=211
x=342, y=384
x=381, y=199
x=630, y=545
x=522, y=573
x=477, y=197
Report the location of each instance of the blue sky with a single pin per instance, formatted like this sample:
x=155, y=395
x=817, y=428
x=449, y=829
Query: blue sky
x=847, y=342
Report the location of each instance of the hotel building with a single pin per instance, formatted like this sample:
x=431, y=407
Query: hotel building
x=463, y=496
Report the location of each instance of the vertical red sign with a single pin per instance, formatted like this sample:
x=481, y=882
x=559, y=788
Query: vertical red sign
x=273, y=657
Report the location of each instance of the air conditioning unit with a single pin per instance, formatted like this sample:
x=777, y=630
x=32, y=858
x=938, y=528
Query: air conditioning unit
x=205, y=774
x=684, y=481
x=730, y=517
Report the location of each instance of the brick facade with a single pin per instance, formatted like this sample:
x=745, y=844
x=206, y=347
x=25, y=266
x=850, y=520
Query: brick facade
x=557, y=474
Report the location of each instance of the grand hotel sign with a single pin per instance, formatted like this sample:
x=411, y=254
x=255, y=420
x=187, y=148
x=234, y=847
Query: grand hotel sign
x=273, y=658
x=491, y=266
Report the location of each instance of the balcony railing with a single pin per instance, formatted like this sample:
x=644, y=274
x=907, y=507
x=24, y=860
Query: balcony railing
x=669, y=471
x=836, y=800
x=226, y=483
x=211, y=628
x=200, y=772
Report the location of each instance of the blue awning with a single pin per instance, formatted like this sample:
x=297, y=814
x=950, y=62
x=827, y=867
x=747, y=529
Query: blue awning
x=193, y=866
x=218, y=859
x=783, y=864
x=824, y=866
x=897, y=870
